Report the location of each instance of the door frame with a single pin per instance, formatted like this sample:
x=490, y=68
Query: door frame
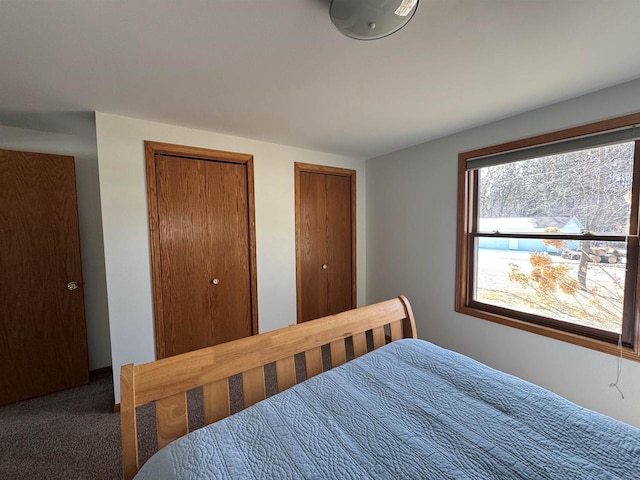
x=151, y=149
x=342, y=172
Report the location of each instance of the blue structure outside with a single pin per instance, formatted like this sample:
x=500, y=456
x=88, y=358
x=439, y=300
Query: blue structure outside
x=531, y=244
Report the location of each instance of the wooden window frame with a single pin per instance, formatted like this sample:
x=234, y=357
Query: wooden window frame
x=467, y=213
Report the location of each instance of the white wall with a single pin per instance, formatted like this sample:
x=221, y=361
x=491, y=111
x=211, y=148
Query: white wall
x=126, y=235
x=411, y=232
x=73, y=133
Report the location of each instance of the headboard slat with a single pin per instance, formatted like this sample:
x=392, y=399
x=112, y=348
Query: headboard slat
x=286, y=373
x=215, y=398
x=313, y=361
x=171, y=418
x=396, y=330
x=378, y=337
x=338, y=353
x=359, y=344
x=253, y=389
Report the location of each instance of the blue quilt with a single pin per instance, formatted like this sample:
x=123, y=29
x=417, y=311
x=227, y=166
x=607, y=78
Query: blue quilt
x=407, y=410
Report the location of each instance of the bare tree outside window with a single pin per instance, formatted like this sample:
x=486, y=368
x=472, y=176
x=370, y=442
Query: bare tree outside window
x=579, y=193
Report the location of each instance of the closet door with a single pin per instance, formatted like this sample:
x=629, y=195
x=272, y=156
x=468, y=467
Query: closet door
x=205, y=291
x=43, y=338
x=325, y=240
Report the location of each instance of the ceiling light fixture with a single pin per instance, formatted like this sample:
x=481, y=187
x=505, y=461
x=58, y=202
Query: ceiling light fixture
x=371, y=19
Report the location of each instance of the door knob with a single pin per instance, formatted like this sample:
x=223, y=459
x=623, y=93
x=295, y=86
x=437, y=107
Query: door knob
x=215, y=281
x=72, y=285
x=324, y=266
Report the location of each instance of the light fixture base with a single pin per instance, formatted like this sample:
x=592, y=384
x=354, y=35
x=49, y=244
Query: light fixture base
x=371, y=19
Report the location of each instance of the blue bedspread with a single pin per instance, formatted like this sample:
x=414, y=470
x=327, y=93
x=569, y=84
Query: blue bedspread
x=407, y=410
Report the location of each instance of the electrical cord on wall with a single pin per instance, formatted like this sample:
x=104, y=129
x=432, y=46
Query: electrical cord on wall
x=619, y=369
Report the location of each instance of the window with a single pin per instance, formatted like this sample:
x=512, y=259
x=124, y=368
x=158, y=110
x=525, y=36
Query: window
x=548, y=234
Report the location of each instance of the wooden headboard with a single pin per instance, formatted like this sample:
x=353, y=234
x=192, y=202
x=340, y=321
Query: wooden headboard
x=167, y=381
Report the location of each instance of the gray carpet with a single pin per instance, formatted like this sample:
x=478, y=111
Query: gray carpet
x=65, y=435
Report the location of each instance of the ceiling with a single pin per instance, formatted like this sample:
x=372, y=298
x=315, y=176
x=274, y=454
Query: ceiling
x=278, y=70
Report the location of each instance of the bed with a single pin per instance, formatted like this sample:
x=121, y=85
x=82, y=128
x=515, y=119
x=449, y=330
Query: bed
x=405, y=409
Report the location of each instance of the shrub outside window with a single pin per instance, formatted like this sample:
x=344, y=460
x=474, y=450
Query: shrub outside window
x=548, y=234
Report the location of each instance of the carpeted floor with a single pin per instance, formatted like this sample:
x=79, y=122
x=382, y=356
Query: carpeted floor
x=72, y=434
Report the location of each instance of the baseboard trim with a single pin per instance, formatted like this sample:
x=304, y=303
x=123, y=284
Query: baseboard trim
x=100, y=371
x=116, y=408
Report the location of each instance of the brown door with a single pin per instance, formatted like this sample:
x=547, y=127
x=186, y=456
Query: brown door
x=43, y=338
x=204, y=241
x=325, y=240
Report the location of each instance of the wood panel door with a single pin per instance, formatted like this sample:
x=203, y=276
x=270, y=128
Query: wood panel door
x=325, y=240
x=43, y=337
x=201, y=210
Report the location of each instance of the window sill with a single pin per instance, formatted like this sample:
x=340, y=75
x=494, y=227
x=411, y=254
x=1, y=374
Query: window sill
x=579, y=340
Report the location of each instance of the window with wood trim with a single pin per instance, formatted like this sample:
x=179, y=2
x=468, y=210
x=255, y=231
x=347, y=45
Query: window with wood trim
x=548, y=235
